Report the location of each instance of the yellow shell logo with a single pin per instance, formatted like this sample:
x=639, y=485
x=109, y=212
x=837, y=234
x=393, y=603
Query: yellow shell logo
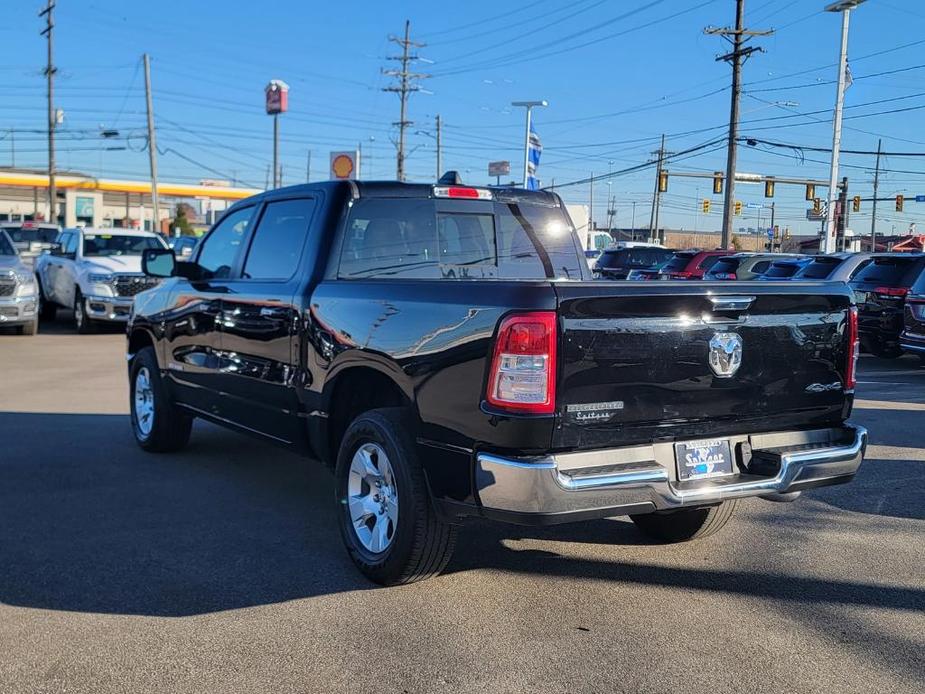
x=342, y=166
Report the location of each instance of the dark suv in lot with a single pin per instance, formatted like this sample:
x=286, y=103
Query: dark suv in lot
x=912, y=339
x=618, y=263
x=880, y=290
x=444, y=350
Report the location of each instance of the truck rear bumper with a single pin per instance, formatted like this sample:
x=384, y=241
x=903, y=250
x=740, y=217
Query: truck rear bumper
x=643, y=479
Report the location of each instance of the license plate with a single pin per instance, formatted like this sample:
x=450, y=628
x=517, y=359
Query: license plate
x=702, y=459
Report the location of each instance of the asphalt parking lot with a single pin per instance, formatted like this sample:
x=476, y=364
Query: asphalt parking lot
x=220, y=569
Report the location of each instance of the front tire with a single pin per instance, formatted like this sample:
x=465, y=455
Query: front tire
x=47, y=310
x=387, y=521
x=686, y=524
x=30, y=328
x=158, y=424
x=82, y=323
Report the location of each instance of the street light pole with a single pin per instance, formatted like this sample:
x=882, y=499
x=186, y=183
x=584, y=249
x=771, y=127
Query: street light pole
x=528, y=105
x=845, y=7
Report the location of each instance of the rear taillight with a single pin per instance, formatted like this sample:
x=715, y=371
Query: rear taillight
x=854, y=349
x=523, y=366
x=892, y=291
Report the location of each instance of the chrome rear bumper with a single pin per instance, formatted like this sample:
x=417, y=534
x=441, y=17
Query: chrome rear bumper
x=643, y=479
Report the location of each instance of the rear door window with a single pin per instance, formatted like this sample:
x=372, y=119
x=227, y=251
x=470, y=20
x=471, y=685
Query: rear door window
x=276, y=246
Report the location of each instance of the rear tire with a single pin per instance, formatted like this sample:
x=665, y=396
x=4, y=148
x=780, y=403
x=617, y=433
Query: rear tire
x=158, y=424
x=387, y=521
x=84, y=325
x=685, y=524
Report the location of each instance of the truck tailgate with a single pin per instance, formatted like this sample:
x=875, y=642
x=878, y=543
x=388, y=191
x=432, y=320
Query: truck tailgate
x=635, y=360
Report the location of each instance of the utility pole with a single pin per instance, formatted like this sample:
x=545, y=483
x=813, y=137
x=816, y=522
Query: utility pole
x=633, y=223
x=308, y=168
x=152, y=145
x=873, y=212
x=772, y=229
x=740, y=35
x=50, y=70
x=439, y=150
x=656, y=197
x=591, y=213
x=829, y=240
x=405, y=86
x=842, y=216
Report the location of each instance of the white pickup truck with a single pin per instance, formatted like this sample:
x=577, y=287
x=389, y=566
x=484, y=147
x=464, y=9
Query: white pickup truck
x=97, y=272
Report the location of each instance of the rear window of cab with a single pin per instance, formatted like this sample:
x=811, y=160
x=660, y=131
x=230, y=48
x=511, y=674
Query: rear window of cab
x=402, y=238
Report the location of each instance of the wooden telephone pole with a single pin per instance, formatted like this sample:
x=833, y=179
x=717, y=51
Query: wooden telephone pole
x=50, y=70
x=737, y=37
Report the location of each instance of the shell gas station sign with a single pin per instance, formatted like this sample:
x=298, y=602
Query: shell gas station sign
x=345, y=165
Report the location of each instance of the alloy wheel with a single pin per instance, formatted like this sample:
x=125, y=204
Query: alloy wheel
x=144, y=402
x=372, y=498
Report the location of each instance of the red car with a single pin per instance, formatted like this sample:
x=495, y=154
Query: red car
x=691, y=265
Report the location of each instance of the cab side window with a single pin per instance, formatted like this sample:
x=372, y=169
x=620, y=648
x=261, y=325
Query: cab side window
x=220, y=248
x=278, y=240
x=70, y=246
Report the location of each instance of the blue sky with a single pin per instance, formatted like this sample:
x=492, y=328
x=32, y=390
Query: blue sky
x=616, y=73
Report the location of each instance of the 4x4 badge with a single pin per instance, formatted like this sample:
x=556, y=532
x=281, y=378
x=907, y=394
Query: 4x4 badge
x=725, y=354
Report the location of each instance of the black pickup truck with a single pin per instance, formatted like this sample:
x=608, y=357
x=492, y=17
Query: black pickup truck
x=443, y=348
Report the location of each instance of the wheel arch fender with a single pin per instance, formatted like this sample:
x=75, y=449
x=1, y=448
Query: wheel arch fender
x=355, y=384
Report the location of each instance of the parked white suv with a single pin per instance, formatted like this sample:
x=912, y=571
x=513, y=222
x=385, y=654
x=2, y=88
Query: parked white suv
x=97, y=272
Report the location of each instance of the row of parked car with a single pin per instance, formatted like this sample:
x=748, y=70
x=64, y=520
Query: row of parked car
x=889, y=288
x=94, y=272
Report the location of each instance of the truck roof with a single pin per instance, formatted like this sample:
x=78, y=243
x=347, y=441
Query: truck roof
x=397, y=189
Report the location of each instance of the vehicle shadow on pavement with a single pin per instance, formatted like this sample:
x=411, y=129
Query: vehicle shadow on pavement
x=90, y=523
x=492, y=552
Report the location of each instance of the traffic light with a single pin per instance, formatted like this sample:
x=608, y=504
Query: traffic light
x=856, y=203
x=899, y=203
x=811, y=191
x=706, y=207
x=717, y=182
x=769, y=188
x=663, y=181
x=817, y=205
x=738, y=208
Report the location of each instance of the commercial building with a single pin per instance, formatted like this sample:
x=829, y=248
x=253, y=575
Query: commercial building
x=103, y=202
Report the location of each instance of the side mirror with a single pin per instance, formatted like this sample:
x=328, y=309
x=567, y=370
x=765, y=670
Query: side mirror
x=158, y=262
x=54, y=249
